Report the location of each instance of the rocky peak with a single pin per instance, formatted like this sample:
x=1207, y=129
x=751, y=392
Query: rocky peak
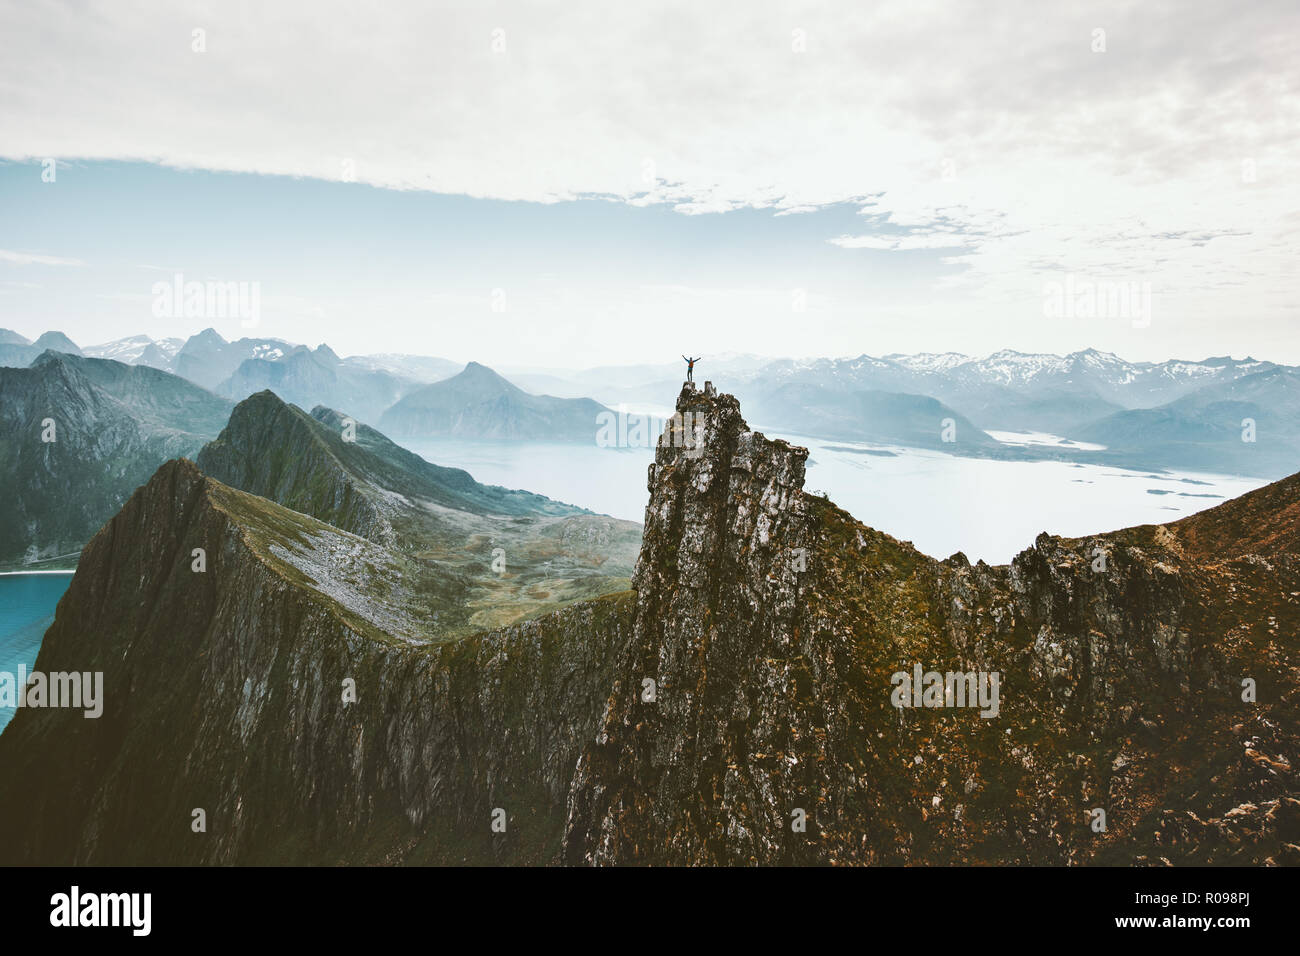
x=58, y=342
x=726, y=505
x=275, y=450
x=726, y=536
x=208, y=336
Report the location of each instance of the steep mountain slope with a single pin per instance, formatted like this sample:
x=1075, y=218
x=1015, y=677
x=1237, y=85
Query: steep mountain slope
x=1264, y=523
x=479, y=403
x=308, y=377
x=112, y=425
x=156, y=398
x=278, y=451
x=738, y=708
x=498, y=717
x=504, y=554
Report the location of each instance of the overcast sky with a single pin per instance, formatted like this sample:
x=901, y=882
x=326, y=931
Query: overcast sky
x=589, y=182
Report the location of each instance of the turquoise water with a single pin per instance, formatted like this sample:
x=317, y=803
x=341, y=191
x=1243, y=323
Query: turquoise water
x=27, y=603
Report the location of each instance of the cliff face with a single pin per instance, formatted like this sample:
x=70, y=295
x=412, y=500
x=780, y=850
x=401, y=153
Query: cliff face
x=224, y=691
x=739, y=707
x=704, y=771
x=1120, y=688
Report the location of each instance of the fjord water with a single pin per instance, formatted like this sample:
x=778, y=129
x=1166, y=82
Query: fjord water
x=27, y=603
x=992, y=510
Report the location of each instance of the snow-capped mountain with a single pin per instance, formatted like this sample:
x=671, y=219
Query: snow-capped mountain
x=929, y=361
x=136, y=349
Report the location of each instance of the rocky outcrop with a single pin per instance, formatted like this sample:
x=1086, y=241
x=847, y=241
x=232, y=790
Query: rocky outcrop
x=739, y=707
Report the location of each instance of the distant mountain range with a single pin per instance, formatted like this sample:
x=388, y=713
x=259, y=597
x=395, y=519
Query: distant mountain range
x=139, y=350
x=308, y=377
x=1206, y=427
x=1219, y=414
x=208, y=359
x=1013, y=390
x=1146, y=415
x=17, y=352
x=867, y=415
x=479, y=403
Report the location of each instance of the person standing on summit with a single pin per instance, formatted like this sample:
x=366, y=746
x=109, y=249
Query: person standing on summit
x=690, y=368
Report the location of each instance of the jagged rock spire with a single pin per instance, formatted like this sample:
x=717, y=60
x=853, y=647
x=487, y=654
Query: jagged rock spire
x=717, y=584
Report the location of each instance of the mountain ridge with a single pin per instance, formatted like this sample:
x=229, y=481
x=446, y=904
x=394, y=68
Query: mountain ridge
x=767, y=623
x=485, y=554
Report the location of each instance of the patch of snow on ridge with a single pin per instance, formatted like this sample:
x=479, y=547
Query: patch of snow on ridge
x=929, y=361
x=123, y=350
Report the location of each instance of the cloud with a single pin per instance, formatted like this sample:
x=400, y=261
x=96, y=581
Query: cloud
x=884, y=242
x=36, y=259
x=1000, y=132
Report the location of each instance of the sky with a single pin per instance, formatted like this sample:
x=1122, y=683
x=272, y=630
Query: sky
x=575, y=184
